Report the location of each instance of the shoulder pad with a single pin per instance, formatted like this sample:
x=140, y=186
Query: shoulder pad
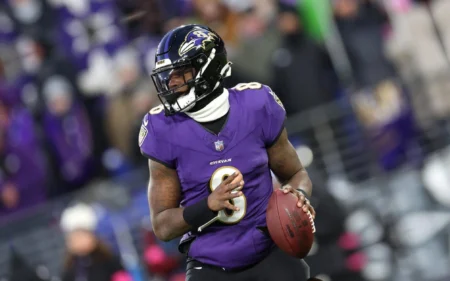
x=256, y=95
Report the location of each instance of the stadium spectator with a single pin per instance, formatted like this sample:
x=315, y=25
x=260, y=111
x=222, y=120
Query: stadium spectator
x=361, y=26
x=161, y=259
x=302, y=74
x=31, y=15
x=41, y=60
x=256, y=39
x=299, y=63
x=120, y=111
x=68, y=134
x=23, y=166
x=218, y=16
x=382, y=103
x=88, y=257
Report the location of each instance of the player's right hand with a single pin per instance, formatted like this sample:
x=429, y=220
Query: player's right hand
x=230, y=188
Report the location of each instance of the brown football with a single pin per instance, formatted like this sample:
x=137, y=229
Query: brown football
x=290, y=227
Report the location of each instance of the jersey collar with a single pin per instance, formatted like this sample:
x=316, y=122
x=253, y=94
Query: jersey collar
x=214, y=110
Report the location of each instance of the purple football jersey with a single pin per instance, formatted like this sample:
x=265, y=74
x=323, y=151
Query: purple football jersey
x=202, y=160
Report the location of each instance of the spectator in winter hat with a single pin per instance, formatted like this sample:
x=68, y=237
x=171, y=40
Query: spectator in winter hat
x=68, y=133
x=88, y=258
x=120, y=110
x=31, y=15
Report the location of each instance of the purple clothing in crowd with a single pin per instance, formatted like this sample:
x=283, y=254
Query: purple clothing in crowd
x=70, y=139
x=23, y=164
x=393, y=142
x=98, y=28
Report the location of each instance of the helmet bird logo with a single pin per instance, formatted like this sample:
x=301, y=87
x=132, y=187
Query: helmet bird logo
x=198, y=38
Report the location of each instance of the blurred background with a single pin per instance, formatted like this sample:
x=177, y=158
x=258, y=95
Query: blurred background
x=366, y=88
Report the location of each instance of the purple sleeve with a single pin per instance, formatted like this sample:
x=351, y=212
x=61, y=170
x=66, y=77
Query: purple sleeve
x=153, y=144
x=274, y=117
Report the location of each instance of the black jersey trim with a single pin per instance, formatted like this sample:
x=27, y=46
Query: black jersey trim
x=277, y=137
x=157, y=160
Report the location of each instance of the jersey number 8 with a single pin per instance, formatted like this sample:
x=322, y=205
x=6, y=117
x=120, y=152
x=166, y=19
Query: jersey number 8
x=228, y=216
x=157, y=109
x=247, y=86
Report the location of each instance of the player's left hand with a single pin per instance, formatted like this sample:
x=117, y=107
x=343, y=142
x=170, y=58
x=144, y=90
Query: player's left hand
x=303, y=202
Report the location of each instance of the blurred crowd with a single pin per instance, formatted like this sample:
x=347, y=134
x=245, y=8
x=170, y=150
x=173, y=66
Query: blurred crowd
x=75, y=77
x=74, y=86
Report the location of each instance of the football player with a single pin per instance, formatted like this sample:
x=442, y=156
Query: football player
x=211, y=151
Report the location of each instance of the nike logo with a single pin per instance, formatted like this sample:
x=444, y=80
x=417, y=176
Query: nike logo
x=145, y=122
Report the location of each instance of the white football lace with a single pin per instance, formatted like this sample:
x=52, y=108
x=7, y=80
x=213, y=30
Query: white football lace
x=312, y=222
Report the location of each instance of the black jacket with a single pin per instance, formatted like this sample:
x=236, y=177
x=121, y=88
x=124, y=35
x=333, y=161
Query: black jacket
x=95, y=267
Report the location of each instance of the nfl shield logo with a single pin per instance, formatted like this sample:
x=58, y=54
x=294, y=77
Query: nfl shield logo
x=219, y=145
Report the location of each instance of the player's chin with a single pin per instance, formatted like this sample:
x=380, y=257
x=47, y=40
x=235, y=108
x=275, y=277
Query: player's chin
x=182, y=91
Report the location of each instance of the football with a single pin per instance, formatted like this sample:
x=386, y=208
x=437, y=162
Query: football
x=290, y=227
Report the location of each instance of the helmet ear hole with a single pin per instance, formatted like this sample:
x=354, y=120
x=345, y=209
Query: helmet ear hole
x=219, y=67
x=200, y=61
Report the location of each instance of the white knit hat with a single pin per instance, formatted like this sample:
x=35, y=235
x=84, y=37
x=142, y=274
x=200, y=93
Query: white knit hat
x=78, y=217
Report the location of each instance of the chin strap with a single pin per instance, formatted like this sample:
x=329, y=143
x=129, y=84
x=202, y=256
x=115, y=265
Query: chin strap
x=214, y=110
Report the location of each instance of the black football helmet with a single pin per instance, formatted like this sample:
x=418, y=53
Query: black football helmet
x=189, y=48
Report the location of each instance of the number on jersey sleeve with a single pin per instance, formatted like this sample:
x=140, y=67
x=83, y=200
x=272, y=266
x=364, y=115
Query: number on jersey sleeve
x=247, y=86
x=256, y=86
x=157, y=109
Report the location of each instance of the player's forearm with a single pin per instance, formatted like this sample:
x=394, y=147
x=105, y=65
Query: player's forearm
x=170, y=224
x=286, y=166
x=301, y=180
